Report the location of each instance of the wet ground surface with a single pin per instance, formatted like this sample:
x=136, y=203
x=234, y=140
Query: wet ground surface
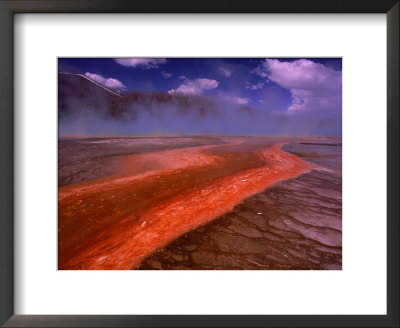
x=84, y=159
x=296, y=224
x=200, y=203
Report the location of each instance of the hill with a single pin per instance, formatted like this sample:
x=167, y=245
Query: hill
x=77, y=92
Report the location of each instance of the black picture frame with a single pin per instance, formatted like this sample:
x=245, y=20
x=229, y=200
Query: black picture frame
x=10, y=7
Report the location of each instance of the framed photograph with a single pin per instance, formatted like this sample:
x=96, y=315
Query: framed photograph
x=218, y=164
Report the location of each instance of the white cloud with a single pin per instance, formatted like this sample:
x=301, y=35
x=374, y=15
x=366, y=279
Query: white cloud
x=196, y=86
x=226, y=72
x=166, y=75
x=313, y=86
x=145, y=63
x=109, y=83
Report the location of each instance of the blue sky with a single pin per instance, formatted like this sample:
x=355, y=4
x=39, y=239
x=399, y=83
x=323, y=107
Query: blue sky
x=289, y=88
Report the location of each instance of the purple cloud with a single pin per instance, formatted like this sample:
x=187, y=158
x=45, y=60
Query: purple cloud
x=313, y=86
x=166, y=75
x=242, y=101
x=256, y=86
x=196, y=86
x=236, y=100
x=145, y=63
x=226, y=72
x=109, y=83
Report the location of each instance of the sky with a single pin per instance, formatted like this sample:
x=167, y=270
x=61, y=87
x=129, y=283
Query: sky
x=304, y=93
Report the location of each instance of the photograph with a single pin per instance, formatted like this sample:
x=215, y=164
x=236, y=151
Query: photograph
x=199, y=163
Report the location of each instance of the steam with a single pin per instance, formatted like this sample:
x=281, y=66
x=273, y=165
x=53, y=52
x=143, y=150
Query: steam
x=95, y=112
